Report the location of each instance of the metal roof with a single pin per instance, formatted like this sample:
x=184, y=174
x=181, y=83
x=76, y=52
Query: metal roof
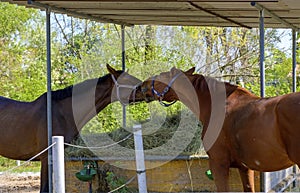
x=226, y=13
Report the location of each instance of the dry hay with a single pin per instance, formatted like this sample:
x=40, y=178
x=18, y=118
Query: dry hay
x=178, y=133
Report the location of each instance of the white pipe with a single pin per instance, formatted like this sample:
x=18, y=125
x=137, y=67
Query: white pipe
x=140, y=160
x=58, y=165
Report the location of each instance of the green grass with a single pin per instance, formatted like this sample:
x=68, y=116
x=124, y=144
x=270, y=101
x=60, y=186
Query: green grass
x=7, y=164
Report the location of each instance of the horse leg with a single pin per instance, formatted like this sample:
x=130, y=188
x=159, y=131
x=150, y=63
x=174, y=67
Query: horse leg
x=220, y=172
x=247, y=177
x=44, y=185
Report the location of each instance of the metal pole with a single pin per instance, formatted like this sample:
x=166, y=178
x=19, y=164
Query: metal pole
x=262, y=75
x=294, y=61
x=294, y=55
x=139, y=159
x=58, y=164
x=123, y=47
x=49, y=97
x=123, y=68
x=274, y=16
x=262, y=52
x=263, y=176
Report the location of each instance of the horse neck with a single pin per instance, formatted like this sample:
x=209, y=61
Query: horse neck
x=88, y=103
x=216, y=98
x=211, y=94
x=103, y=95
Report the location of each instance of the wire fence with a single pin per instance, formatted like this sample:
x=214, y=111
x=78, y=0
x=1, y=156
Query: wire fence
x=26, y=162
x=76, y=146
x=100, y=147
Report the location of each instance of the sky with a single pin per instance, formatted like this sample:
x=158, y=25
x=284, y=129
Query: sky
x=286, y=41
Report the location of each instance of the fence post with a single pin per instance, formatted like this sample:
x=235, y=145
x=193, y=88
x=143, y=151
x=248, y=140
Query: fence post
x=139, y=159
x=58, y=165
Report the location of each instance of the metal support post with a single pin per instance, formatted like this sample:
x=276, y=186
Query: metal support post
x=49, y=96
x=262, y=71
x=273, y=15
x=262, y=52
x=123, y=68
x=294, y=56
x=262, y=74
x=294, y=61
x=58, y=164
x=123, y=47
x=139, y=159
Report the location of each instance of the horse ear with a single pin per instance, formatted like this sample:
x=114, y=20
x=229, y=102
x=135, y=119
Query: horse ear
x=190, y=71
x=174, y=71
x=111, y=69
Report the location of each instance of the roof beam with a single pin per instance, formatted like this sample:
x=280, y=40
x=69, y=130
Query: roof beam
x=274, y=16
x=76, y=14
x=144, y=1
x=218, y=15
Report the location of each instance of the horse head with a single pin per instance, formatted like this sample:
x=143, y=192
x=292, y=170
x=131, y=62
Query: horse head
x=124, y=86
x=165, y=86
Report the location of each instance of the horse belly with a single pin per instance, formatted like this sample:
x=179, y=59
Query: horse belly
x=263, y=159
x=17, y=144
x=260, y=148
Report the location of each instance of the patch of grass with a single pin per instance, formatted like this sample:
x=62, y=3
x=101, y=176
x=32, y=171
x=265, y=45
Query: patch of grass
x=7, y=164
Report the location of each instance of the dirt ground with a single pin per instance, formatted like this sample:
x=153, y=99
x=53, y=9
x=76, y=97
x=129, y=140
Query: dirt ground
x=19, y=183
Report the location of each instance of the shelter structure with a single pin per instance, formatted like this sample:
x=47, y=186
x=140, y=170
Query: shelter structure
x=219, y=13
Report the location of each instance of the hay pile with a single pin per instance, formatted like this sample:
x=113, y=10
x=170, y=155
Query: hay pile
x=176, y=134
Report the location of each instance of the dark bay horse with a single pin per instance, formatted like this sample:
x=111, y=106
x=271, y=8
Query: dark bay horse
x=23, y=125
x=240, y=129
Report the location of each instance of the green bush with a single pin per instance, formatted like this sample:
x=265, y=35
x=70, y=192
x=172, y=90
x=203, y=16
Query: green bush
x=8, y=164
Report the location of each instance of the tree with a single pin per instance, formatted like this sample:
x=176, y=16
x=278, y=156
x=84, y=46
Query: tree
x=17, y=51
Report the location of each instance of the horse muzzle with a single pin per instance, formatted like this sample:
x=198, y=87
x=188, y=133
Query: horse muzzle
x=147, y=97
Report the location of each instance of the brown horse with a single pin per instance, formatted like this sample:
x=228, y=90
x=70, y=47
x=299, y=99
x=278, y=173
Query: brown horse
x=240, y=130
x=23, y=125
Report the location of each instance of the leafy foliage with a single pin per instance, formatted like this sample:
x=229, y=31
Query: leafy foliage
x=8, y=164
x=115, y=182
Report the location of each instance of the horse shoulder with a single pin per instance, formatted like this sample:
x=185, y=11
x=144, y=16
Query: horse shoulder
x=287, y=112
x=240, y=100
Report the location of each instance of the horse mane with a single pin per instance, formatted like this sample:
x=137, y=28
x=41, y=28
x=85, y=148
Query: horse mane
x=202, y=82
x=67, y=92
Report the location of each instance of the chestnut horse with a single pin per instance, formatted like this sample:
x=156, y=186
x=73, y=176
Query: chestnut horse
x=240, y=129
x=23, y=125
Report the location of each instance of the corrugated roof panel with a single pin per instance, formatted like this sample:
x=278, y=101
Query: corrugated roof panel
x=168, y=12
